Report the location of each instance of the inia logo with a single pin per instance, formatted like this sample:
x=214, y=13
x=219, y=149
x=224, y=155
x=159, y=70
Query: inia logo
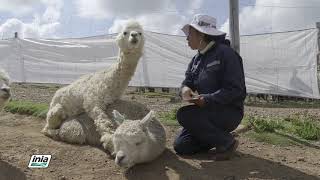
x=39, y=161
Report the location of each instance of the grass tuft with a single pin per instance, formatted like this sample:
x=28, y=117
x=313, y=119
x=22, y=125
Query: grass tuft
x=304, y=126
x=298, y=126
x=265, y=124
x=28, y=108
x=169, y=118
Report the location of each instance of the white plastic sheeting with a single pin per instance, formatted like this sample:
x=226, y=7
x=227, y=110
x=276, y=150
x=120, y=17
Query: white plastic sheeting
x=282, y=63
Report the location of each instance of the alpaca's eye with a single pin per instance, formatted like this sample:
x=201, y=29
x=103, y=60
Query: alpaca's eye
x=124, y=33
x=140, y=33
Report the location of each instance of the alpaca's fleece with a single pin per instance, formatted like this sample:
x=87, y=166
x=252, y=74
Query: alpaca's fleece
x=81, y=129
x=4, y=88
x=138, y=141
x=92, y=93
x=134, y=141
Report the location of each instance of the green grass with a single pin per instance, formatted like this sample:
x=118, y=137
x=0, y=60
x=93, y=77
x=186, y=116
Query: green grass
x=265, y=124
x=50, y=86
x=308, y=130
x=169, y=118
x=304, y=126
x=28, y=108
x=298, y=128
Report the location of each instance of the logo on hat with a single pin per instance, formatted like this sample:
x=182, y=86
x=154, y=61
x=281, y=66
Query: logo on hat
x=204, y=24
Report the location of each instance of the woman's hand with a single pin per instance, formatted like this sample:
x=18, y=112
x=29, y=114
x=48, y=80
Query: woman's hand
x=186, y=93
x=198, y=100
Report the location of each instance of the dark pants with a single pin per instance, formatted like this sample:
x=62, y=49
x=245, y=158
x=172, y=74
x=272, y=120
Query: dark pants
x=205, y=128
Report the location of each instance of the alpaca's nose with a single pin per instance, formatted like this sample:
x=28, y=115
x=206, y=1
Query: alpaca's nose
x=134, y=37
x=134, y=34
x=119, y=157
x=5, y=89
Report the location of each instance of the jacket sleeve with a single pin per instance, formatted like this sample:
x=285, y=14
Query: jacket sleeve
x=233, y=81
x=188, y=81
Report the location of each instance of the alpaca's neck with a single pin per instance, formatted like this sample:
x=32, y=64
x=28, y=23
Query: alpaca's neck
x=123, y=72
x=128, y=63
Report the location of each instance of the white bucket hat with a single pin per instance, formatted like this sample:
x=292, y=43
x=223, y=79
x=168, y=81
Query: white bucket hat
x=203, y=23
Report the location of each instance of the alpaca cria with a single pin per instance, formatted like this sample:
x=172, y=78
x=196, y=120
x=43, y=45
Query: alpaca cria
x=138, y=141
x=138, y=138
x=92, y=93
x=4, y=88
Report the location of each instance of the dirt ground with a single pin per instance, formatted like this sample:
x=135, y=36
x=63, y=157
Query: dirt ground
x=21, y=138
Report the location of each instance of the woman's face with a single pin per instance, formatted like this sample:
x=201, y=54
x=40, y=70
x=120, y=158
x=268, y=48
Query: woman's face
x=194, y=37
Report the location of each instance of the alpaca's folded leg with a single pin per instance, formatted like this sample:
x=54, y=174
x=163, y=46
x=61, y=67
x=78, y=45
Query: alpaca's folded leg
x=107, y=144
x=54, y=119
x=104, y=125
x=53, y=133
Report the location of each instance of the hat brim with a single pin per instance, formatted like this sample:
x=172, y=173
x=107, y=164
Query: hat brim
x=203, y=29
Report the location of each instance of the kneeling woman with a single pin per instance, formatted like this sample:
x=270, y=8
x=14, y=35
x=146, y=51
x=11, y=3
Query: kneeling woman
x=214, y=83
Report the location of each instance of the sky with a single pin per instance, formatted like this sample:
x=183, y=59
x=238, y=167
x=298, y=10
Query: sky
x=82, y=18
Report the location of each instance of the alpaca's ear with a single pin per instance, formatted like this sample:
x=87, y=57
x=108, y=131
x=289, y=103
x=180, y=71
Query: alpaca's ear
x=117, y=117
x=118, y=37
x=145, y=121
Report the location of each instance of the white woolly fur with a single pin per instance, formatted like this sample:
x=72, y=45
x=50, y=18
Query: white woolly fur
x=4, y=88
x=139, y=140
x=92, y=93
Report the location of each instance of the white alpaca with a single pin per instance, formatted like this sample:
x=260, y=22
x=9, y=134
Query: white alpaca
x=138, y=141
x=134, y=141
x=92, y=93
x=4, y=88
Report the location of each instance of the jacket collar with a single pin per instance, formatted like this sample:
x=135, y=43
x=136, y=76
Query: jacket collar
x=210, y=44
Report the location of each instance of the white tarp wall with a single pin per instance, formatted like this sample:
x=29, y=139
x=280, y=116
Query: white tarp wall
x=282, y=63
x=62, y=61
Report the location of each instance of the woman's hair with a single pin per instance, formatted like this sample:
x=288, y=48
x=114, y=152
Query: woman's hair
x=220, y=39
x=227, y=42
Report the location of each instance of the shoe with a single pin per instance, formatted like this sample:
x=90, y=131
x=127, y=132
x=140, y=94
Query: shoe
x=226, y=154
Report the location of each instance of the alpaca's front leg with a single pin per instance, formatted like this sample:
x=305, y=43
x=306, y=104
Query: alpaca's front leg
x=107, y=144
x=55, y=117
x=105, y=127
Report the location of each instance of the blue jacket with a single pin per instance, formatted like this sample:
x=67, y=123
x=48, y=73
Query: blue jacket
x=218, y=76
